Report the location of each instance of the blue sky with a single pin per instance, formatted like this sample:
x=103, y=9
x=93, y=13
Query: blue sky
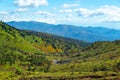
x=95, y=13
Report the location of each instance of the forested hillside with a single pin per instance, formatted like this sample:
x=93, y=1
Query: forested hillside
x=30, y=55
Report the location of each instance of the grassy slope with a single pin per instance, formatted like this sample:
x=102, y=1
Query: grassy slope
x=30, y=41
x=17, y=45
x=98, y=61
x=55, y=47
x=101, y=60
x=10, y=37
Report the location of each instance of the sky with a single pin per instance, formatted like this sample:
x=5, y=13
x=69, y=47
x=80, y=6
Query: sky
x=96, y=13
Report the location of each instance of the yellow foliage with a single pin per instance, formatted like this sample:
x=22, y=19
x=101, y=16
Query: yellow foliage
x=47, y=49
x=59, y=50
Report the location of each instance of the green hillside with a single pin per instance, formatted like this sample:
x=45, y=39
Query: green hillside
x=30, y=55
x=28, y=50
x=10, y=37
x=99, y=61
x=16, y=53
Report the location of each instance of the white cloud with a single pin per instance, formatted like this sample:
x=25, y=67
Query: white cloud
x=112, y=13
x=27, y=3
x=42, y=13
x=50, y=21
x=105, y=13
x=78, y=1
x=45, y=14
x=66, y=11
x=55, y=8
x=70, y=15
x=83, y=12
x=9, y=18
x=70, y=5
x=88, y=12
x=3, y=12
x=22, y=9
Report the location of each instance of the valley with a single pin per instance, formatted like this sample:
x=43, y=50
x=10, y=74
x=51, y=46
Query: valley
x=32, y=55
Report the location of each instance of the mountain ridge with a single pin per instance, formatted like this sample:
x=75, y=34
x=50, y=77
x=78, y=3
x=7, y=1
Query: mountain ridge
x=89, y=34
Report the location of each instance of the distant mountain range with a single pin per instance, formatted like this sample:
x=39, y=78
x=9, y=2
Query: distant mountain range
x=90, y=34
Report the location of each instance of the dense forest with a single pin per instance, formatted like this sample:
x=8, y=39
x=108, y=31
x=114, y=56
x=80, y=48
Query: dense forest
x=30, y=55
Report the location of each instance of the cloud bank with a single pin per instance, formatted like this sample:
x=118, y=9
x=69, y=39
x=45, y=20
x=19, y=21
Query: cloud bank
x=28, y=3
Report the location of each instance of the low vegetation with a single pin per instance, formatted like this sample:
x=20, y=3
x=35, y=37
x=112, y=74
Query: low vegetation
x=29, y=55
